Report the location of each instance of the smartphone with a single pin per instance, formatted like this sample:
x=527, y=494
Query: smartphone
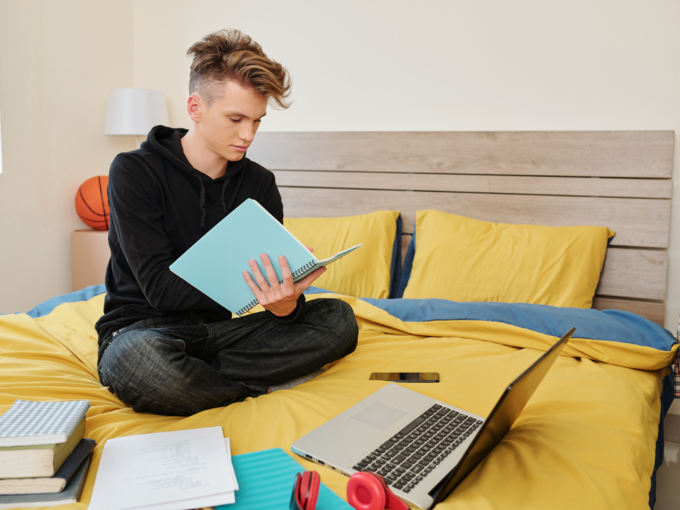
x=406, y=377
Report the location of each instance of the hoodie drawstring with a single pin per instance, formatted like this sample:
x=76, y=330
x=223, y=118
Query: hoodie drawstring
x=235, y=179
x=224, y=189
x=225, y=207
x=202, y=205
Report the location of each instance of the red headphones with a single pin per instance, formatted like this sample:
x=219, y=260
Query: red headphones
x=368, y=491
x=305, y=491
x=365, y=491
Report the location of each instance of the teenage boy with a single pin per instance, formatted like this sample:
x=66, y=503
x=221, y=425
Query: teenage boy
x=165, y=347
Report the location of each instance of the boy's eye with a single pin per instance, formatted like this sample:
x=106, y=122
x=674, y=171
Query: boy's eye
x=235, y=120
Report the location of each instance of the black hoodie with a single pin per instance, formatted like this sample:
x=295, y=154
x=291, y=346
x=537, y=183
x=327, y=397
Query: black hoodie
x=160, y=206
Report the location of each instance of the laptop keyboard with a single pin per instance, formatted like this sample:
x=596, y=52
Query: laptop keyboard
x=413, y=452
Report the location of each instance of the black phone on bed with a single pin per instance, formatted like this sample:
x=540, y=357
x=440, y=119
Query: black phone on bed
x=406, y=377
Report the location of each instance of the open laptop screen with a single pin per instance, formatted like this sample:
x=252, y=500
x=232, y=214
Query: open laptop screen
x=501, y=418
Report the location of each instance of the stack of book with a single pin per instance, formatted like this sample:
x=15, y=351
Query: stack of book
x=43, y=456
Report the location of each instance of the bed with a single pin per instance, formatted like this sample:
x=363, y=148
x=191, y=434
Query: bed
x=590, y=437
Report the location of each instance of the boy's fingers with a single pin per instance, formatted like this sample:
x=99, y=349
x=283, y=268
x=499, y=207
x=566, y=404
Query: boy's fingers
x=253, y=286
x=258, y=276
x=269, y=269
x=276, y=289
x=288, y=284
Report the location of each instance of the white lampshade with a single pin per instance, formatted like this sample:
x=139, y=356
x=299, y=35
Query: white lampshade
x=135, y=111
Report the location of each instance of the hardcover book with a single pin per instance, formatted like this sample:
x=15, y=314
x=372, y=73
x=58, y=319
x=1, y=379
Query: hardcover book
x=30, y=423
x=70, y=494
x=54, y=483
x=40, y=460
x=215, y=263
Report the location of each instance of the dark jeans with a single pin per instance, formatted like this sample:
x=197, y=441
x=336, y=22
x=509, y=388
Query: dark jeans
x=186, y=366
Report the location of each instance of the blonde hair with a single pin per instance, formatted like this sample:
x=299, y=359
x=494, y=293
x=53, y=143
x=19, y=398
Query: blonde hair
x=232, y=55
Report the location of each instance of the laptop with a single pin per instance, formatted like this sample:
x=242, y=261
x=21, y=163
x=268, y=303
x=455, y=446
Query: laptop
x=422, y=447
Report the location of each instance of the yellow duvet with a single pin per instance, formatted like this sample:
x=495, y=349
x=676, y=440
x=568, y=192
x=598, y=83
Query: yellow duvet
x=585, y=440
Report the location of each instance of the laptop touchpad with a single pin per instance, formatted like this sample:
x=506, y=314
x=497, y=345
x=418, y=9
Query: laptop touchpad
x=379, y=415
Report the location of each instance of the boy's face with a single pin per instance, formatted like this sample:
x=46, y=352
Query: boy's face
x=229, y=125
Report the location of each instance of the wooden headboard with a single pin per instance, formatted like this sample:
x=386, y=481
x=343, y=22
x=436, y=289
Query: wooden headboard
x=618, y=179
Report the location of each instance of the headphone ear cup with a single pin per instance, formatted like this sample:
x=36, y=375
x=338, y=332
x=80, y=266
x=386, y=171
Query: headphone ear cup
x=315, y=482
x=365, y=491
x=303, y=488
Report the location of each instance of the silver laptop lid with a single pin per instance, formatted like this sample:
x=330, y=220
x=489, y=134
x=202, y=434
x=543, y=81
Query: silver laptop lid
x=501, y=419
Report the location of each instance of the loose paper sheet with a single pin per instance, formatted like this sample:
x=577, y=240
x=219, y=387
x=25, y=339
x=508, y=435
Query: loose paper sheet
x=165, y=470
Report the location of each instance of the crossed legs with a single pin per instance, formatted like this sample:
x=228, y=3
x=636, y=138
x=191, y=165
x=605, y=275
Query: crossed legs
x=187, y=367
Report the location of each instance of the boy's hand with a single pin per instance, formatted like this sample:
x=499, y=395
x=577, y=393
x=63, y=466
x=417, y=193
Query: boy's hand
x=278, y=298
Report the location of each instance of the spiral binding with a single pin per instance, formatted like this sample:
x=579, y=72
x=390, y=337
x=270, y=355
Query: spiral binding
x=304, y=268
x=296, y=273
x=248, y=307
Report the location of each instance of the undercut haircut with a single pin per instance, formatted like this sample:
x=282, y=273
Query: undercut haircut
x=232, y=55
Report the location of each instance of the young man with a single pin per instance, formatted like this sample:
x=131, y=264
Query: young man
x=164, y=347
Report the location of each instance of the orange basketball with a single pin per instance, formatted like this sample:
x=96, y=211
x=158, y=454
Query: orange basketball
x=92, y=202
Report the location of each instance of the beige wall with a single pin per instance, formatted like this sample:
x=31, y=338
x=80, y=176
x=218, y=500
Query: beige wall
x=57, y=62
x=356, y=65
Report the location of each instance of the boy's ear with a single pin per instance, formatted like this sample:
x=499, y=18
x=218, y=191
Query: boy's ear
x=195, y=107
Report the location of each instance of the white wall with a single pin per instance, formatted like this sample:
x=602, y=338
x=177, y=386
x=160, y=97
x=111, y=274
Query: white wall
x=444, y=65
x=57, y=62
x=365, y=65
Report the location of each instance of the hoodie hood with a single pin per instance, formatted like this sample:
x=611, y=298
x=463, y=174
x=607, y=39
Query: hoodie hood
x=167, y=143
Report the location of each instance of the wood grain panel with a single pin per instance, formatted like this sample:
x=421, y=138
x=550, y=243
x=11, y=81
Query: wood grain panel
x=655, y=312
x=636, y=154
x=572, y=186
x=637, y=222
x=634, y=274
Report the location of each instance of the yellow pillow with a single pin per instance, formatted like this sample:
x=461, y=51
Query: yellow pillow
x=364, y=272
x=463, y=259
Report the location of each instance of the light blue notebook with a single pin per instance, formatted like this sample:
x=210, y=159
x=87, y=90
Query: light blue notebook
x=215, y=264
x=265, y=481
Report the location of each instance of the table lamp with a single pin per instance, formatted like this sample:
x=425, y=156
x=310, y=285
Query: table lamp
x=132, y=111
